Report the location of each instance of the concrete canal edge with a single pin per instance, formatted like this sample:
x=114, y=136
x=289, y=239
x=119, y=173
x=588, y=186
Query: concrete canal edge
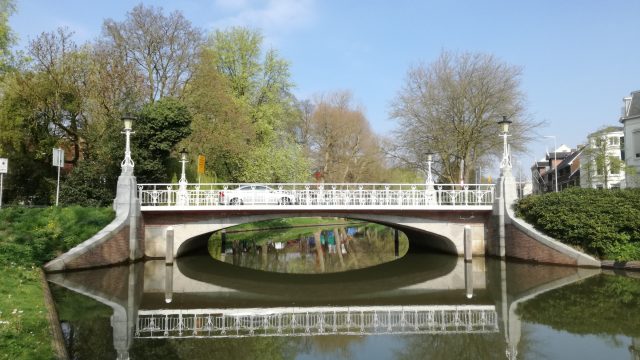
x=520, y=240
x=57, y=338
x=621, y=265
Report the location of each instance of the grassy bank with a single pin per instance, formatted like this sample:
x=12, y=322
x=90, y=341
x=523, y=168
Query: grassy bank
x=28, y=239
x=602, y=223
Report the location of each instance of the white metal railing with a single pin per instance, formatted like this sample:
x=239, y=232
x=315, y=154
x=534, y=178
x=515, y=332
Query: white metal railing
x=315, y=195
x=353, y=320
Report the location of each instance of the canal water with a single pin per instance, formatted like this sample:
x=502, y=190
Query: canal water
x=347, y=290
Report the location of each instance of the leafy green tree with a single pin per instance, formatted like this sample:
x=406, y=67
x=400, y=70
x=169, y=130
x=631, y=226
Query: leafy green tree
x=160, y=126
x=7, y=37
x=262, y=86
x=598, y=158
x=242, y=110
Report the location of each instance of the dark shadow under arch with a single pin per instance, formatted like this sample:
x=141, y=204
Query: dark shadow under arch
x=410, y=269
x=417, y=239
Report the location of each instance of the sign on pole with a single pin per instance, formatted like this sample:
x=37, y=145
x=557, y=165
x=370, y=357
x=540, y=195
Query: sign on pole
x=58, y=157
x=201, y=161
x=4, y=166
x=58, y=161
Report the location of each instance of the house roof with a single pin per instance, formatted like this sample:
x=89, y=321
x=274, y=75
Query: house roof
x=569, y=159
x=606, y=130
x=633, y=110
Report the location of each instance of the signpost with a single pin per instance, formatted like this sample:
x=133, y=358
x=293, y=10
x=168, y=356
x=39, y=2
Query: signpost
x=58, y=161
x=201, y=160
x=4, y=166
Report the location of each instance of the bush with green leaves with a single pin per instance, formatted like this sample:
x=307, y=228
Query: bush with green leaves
x=33, y=236
x=604, y=223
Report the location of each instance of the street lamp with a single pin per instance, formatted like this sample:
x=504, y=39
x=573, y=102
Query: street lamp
x=182, y=184
x=429, y=181
x=506, y=157
x=429, y=195
x=127, y=164
x=555, y=158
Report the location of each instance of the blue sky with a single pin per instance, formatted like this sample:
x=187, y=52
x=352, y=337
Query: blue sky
x=579, y=58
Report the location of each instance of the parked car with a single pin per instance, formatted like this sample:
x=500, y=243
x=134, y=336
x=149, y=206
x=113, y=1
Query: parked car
x=256, y=195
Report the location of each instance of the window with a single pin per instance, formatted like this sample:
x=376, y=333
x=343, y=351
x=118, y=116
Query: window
x=599, y=187
x=636, y=143
x=614, y=165
x=614, y=140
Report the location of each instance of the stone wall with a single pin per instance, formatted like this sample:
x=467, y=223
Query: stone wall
x=118, y=242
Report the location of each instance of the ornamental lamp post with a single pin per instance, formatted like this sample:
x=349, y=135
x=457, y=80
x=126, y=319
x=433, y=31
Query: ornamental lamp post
x=127, y=164
x=182, y=184
x=429, y=195
x=506, y=157
x=429, y=180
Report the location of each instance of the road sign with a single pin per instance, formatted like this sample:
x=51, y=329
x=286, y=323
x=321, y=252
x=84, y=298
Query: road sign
x=58, y=157
x=201, y=161
x=4, y=165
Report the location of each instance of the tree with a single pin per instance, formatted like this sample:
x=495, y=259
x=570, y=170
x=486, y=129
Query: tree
x=160, y=126
x=164, y=49
x=7, y=38
x=341, y=143
x=451, y=107
x=43, y=107
x=600, y=157
x=262, y=86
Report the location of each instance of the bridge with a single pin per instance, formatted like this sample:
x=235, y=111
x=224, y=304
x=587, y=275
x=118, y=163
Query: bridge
x=170, y=220
x=175, y=197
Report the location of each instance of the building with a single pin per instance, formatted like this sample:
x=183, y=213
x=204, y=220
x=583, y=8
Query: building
x=603, y=157
x=630, y=120
x=543, y=171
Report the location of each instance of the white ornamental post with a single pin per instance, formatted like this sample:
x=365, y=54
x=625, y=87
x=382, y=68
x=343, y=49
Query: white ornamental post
x=4, y=166
x=127, y=164
x=183, y=195
x=430, y=192
x=506, y=157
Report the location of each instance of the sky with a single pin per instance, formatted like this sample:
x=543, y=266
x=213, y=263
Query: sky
x=578, y=58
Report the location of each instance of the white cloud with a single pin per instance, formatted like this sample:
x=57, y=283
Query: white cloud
x=273, y=17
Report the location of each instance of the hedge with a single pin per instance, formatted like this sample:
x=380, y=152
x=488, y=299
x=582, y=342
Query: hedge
x=603, y=223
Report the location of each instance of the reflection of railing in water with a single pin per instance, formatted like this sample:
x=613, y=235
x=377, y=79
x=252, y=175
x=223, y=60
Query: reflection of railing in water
x=359, y=320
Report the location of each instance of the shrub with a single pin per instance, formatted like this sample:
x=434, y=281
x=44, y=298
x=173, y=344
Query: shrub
x=604, y=223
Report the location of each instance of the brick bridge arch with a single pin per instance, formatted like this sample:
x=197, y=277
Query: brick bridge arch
x=188, y=230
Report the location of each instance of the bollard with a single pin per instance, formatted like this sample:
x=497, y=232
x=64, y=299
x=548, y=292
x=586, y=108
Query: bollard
x=468, y=279
x=168, y=284
x=468, y=253
x=168, y=252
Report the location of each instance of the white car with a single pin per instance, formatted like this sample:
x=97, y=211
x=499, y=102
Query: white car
x=256, y=195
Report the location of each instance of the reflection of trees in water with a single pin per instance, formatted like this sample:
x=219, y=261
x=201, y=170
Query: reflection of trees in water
x=335, y=347
x=86, y=325
x=371, y=245
x=453, y=346
x=252, y=348
x=602, y=305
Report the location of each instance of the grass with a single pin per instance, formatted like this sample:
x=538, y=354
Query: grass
x=29, y=237
x=24, y=328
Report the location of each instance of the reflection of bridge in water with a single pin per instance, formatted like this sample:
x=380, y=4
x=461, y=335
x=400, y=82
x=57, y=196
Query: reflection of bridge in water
x=314, y=321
